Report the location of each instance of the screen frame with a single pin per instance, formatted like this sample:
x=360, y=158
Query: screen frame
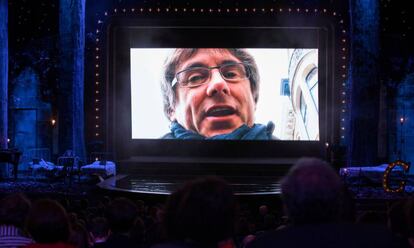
x=125, y=33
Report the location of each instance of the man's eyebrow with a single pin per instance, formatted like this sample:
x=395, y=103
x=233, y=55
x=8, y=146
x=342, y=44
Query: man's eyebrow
x=196, y=64
x=229, y=62
x=199, y=64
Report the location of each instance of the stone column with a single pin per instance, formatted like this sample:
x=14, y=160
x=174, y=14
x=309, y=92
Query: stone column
x=4, y=60
x=365, y=83
x=71, y=81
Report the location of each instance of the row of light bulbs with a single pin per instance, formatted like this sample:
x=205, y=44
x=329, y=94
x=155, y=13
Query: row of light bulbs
x=116, y=11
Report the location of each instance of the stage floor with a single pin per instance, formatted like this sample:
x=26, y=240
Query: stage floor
x=166, y=184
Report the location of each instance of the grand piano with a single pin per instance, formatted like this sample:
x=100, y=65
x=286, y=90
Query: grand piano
x=11, y=156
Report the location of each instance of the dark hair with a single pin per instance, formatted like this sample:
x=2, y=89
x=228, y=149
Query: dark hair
x=48, y=222
x=202, y=210
x=14, y=209
x=121, y=215
x=99, y=227
x=182, y=54
x=312, y=192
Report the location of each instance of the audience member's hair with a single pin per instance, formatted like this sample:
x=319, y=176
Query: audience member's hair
x=312, y=192
x=14, y=209
x=79, y=236
x=48, y=222
x=99, y=227
x=121, y=214
x=202, y=211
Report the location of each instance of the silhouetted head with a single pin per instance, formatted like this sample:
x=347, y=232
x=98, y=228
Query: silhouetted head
x=121, y=214
x=202, y=211
x=14, y=209
x=48, y=222
x=312, y=192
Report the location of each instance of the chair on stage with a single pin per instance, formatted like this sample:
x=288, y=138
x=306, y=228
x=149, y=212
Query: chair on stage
x=100, y=164
x=68, y=164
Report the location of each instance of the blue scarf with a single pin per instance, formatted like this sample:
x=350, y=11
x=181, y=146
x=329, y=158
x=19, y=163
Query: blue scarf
x=257, y=132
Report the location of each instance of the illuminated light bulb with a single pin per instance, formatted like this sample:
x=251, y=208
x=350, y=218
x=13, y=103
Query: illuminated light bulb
x=97, y=134
x=106, y=13
x=53, y=121
x=97, y=92
x=327, y=144
x=8, y=140
x=402, y=119
x=132, y=10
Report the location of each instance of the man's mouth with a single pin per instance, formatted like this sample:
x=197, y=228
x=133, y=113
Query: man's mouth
x=220, y=111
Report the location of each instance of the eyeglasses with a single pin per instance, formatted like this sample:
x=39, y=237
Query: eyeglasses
x=196, y=76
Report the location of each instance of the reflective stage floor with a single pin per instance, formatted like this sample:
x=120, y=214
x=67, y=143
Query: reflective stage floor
x=165, y=185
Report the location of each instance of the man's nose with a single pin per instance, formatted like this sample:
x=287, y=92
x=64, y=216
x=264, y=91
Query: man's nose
x=217, y=84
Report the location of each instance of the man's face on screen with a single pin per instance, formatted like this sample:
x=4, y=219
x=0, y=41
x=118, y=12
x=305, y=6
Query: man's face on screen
x=218, y=106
